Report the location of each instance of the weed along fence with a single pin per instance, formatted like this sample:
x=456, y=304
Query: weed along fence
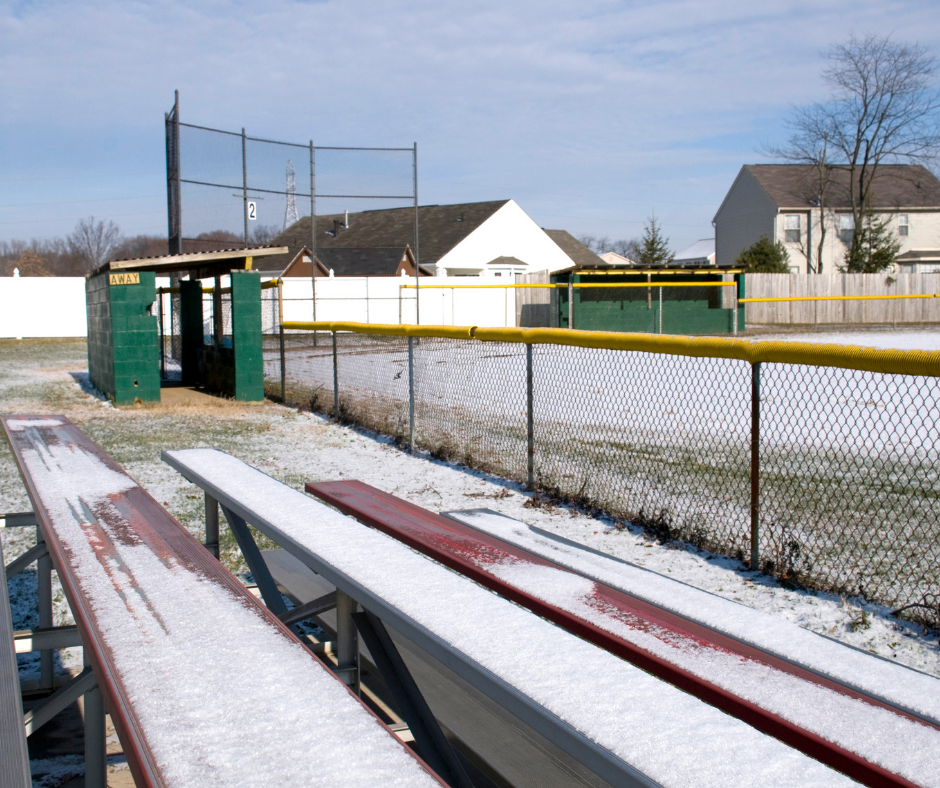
x=815, y=462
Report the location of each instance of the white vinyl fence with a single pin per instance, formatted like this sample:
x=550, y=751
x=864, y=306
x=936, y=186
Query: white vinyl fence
x=387, y=299
x=42, y=306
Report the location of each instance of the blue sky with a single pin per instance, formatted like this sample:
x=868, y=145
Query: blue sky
x=588, y=114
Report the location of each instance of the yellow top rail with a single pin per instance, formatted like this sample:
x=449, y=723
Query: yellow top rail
x=574, y=284
x=898, y=362
x=834, y=298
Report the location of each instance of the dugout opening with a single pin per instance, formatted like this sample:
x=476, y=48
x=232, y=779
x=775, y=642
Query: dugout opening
x=214, y=338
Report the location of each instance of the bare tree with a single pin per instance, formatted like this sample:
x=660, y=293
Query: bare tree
x=884, y=109
x=263, y=234
x=93, y=242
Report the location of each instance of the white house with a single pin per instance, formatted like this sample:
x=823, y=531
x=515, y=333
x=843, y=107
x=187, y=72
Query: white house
x=782, y=202
x=493, y=238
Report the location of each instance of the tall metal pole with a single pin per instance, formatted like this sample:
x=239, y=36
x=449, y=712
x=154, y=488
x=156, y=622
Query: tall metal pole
x=245, y=184
x=313, y=235
x=755, y=466
x=530, y=421
x=414, y=167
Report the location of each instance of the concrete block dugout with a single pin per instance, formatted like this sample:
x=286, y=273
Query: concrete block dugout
x=221, y=353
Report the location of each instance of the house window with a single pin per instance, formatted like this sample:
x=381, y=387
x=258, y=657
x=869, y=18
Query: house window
x=846, y=228
x=792, y=228
x=903, y=225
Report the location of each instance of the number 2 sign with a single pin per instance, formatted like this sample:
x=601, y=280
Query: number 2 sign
x=252, y=210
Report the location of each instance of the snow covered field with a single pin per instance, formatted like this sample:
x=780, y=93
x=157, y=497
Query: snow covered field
x=849, y=487
x=46, y=377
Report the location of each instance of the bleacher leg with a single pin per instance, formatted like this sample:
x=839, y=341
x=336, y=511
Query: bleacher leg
x=44, y=577
x=347, y=641
x=212, y=525
x=435, y=749
x=96, y=756
x=256, y=565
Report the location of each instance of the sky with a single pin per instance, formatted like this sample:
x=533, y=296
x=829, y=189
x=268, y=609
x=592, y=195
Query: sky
x=591, y=115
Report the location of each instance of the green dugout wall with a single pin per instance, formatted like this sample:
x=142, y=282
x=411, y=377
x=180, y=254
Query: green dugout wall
x=688, y=302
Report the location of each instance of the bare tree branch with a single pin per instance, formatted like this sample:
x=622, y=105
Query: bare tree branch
x=93, y=242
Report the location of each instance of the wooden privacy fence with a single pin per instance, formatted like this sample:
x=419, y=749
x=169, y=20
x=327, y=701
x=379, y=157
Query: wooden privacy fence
x=840, y=288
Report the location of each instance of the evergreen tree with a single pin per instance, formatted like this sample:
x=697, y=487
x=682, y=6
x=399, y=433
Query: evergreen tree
x=874, y=247
x=764, y=257
x=654, y=248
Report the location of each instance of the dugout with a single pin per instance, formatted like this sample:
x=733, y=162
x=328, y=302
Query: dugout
x=654, y=301
x=219, y=327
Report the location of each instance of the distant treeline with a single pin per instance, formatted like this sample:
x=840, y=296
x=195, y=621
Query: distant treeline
x=95, y=242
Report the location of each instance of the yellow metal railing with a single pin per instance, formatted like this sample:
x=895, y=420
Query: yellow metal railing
x=898, y=362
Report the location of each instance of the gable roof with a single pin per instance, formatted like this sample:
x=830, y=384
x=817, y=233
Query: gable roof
x=440, y=228
x=571, y=246
x=700, y=250
x=895, y=186
x=504, y=260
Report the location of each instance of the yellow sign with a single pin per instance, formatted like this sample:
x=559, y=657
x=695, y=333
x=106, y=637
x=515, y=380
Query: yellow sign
x=248, y=262
x=124, y=279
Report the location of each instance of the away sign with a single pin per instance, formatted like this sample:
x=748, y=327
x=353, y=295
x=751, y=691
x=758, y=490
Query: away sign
x=124, y=279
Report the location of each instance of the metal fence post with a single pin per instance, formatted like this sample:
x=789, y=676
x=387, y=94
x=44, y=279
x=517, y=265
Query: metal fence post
x=755, y=466
x=347, y=641
x=212, y=525
x=280, y=326
x=530, y=424
x=245, y=184
x=411, y=393
x=659, y=317
x=44, y=578
x=571, y=301
x=335, y=382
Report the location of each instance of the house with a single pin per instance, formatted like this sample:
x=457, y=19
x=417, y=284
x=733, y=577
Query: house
x=781, y=201
x=466, y=239
x=701, y=254
x=374, y=261
x=612, y=258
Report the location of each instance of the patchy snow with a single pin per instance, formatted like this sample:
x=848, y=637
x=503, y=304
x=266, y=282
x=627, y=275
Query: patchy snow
x=924, y=339
x=659, y=730
x=226, y=704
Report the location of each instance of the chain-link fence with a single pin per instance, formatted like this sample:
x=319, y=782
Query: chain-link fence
x=825, y=475
x=227, y=189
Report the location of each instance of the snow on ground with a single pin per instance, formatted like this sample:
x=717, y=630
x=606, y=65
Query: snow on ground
x=927, y=338
x=299, y=447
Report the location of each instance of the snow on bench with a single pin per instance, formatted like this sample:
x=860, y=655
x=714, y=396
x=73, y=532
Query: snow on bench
x=204, y=685
x=843, y=726
x=647, y=731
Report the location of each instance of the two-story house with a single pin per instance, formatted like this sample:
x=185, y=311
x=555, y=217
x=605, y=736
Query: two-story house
x=783, y=202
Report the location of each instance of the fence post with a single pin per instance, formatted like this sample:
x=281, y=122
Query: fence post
x=411, y=393
x=659, y=317
x=570, y=300
x=280, y=326
x=530, y=423
x=755, y=466
x=335, y=382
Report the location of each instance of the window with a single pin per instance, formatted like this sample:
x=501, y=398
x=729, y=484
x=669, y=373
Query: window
x=792, y=228
x=846, y=228
x=903, y=225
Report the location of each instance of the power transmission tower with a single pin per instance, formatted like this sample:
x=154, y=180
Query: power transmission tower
x=290, y=215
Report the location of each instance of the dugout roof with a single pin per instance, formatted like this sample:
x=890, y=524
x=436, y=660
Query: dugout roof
x=201, y=264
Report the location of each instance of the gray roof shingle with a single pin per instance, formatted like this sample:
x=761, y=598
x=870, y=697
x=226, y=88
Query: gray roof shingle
x=895, y=186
